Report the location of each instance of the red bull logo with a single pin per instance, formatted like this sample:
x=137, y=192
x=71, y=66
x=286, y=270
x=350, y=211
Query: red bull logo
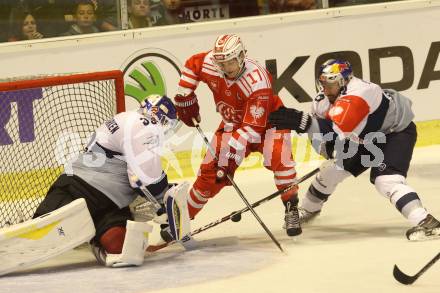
x=338, y=68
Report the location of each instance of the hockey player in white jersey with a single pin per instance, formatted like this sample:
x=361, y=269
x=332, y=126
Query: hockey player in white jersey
x=354, y=118
x=121, y=161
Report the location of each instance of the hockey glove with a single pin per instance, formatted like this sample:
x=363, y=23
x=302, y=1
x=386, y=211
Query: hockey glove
x=292, y=119
x=187, y=108
x=227, y=165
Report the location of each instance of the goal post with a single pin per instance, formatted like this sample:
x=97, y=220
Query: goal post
x=44, y=121
x=54, y=80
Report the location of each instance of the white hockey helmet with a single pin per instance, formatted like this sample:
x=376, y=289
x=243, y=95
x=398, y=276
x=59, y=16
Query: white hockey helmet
x=229, y=47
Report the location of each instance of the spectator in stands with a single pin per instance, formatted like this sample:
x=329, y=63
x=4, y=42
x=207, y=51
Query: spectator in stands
x=106, y=15
x=4, y=19
x=298, y=5
x=276, y=6
x=84, y=19
x=24, y=27
x=243, y=8
x=51, y=15
x=171, y=12
x=340, y=3
x=139, y=13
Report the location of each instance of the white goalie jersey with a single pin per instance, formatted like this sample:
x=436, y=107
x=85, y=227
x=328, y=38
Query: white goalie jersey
x=127, y=146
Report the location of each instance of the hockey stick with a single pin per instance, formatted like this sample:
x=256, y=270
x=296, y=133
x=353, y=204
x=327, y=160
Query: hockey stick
x=408, y=280
x=243, y=198
x=255, y=204
x=146, y=193
x=239, y=212
x=187, y=241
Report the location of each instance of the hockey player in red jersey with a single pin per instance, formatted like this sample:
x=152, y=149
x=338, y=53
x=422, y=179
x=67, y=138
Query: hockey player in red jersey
x=244, y=97
x=359, y=119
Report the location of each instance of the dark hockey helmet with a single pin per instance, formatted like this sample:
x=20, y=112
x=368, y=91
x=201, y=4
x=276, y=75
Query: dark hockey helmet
x=161, y=109
x=334, y=71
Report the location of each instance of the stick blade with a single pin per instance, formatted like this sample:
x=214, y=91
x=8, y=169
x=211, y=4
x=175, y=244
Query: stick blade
x=153, y=248
x=401, y=277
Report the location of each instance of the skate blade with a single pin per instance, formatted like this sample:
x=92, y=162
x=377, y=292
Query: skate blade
x=421, y=236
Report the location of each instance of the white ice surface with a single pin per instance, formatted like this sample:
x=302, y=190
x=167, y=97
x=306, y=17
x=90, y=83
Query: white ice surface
x=352, y=247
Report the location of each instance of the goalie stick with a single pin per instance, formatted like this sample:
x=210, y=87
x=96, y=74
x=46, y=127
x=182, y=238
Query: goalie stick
x=408, y=280
x=145, y=191
x=153, y=248
x=171, y=208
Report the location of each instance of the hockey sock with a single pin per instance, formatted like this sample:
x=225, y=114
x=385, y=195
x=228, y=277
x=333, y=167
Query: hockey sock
x=196, y=201
x=402, y=196
x=417, y=215
x=312, y=203
x=323, y=186
x=293, y=202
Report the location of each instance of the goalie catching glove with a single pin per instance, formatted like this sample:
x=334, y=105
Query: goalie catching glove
x=292, y=119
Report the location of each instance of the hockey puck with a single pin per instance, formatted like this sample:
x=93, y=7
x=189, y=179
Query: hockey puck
x=236, y=217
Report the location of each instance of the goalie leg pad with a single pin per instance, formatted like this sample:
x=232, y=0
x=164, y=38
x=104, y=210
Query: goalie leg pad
x=44, y=237
x=176, y=205
x=135, y=244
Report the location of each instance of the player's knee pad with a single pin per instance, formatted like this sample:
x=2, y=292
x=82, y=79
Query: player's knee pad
x=133, y=249
x=329, y=176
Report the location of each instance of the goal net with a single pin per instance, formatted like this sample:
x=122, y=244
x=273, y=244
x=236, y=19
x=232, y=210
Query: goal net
x=44, y=121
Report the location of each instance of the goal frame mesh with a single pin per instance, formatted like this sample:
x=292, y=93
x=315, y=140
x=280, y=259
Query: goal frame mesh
x=35, y=82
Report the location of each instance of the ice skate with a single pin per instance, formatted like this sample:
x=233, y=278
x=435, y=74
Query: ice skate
x=98, y=251
x=427, y=229
x=291, y=220
x=165, y=233
x=305, y=216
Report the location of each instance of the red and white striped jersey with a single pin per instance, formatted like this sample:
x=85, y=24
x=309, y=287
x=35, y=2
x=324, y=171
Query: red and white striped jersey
x=245, y=101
